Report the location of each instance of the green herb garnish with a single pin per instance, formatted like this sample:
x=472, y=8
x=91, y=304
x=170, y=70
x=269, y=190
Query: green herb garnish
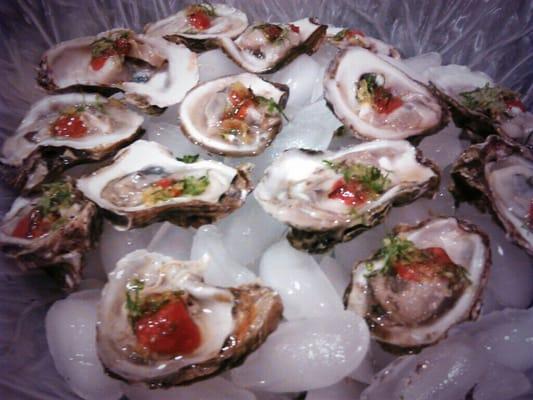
x=195, y=186
x=55, y=196
x=272, y=106
x=488, y=100
x=133, y=299
x=188, y=158
x=396, y=249
x=366, y=88
x=371, y=177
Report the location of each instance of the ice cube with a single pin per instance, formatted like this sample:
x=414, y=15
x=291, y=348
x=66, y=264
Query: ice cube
x=172, y=241
x=305, y=290
x=347, y=389
x=501, y=383
x=215, y=64
x=306, y=354
x=336, y=274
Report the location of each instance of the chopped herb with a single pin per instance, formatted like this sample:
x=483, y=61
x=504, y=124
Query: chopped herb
x=366, y=88
x=133, y=300
x=340, y=35
x=195, y=186
x=371, y=177
x=395, y=249
x=272, y=106
x=55, y=196
x=489, y=100
x=188, y=158
x=274, y=33
x=107, y=45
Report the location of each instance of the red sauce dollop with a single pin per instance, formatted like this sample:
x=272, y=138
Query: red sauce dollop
x=420, y=270
x=385, y=102
x=31, y=226
x=170, y=330
x=199, y=20
x=351, y=193
x=70, y=126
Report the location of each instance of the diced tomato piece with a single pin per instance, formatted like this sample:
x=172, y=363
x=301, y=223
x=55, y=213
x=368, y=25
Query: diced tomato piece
x=98, y=62
x=69, y=125
x=354, y=32
x=351, y=193
x=31, y=226
x=199, y=20
x=439, y=255
x=242, y=110
x=164, y=182
x=515, y=103
x=385, y=102
x=122, y=46
x=294, y=28
x=407, y=272
x=170, y=330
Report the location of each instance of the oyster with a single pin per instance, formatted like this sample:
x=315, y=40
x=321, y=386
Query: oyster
x=481, y=107
x=378, y=101
x=51, y=229
x=425, y=279
x=146, y=184
x=266, y=47
x=237, y=115
x=498, y=175
x=327, y=198
x=160, y=324
x=198, y=25
x=64, y=130
x=344, y=38
x=152, y=72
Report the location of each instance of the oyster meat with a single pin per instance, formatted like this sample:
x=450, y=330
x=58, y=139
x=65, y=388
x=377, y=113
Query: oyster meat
x=237, y=115
x=199, y=25
x=376, y=100
x=425, y=279
x=161, y=324
x=345, y=37
x=498, y=175
x=481, y=107
x=152, y=72
x=266, y=47
x=327, y=198
x=146, y=184
x=51, y=229
x=64, y=130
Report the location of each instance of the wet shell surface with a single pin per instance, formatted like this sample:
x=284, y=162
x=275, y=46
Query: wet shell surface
x=301, y=188
x=411, y=305
x=44, y=145
x=232, y=322
x=145, y=183
x=405, y=109
x=214, y=117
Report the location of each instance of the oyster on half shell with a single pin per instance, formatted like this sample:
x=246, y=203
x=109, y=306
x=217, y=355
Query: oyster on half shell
x=376, y=100
x=218, y=328
x=146, y=184
x=331, y=197
x=345, y=37
x=152, y=72
x=266, y=47
x=199, y=25
x=51, y=229
x=498, y=175
x=65, y=130
x=237, y=115
x=425, y=279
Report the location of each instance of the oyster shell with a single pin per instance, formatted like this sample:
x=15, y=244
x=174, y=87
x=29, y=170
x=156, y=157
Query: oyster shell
x=198, y=25
x=481, y=107
x=266, y=47
x=152, y=72
x=146, y=184
x=498, y=175
x=375, y=100
x=232, y=322
x=51, y=229
x=61, y=131
x=327, y=198
x=345, y=37
x=237, y=115
x=424, y=280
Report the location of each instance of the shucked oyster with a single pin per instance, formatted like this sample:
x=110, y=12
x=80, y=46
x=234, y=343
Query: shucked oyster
x=480, y=107
x=64, y=130
x=238, y=115
x=378, y=101
x=160, y=324
x=266, y=47
x=344, y=38
x=198, y=25
x=328, y=198
x=146, y=184
x=51, y=229
x=152, y=72
x=498, y=175
x=424, y=280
